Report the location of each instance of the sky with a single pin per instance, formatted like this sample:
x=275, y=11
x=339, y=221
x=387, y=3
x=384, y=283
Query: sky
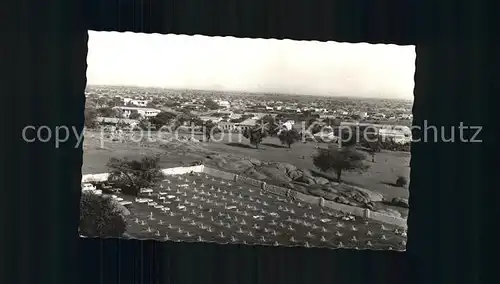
x=251, y=65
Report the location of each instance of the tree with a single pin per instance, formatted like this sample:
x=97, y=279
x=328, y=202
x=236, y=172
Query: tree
x=269, y=123
x=167, y=117
x=135, y=115
x=349, y=136
x=211, y=104
x=100, y=102
x=289, y=137
x=332, y=121
x=374, y=146
x=255, y=135
x=339, y=159
x=116, y=101
x=144, y=124
x=210, y=128
x=162, y=119
x=401, y=181
x=132, y=175
x=100, y=217
x=106, y=112
x=90, y=117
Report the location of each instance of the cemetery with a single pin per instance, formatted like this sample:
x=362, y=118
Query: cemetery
x=197, y=207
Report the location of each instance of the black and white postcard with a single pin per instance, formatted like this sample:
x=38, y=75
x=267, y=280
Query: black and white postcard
x=247, y=141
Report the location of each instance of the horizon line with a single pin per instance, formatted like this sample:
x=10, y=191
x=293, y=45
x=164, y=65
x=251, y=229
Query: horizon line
x=254, y=92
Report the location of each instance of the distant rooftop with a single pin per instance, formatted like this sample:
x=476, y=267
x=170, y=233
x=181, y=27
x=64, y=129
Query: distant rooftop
x=136, y=108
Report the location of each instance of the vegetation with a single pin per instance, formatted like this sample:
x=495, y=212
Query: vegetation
x=107, y=112
x=211, y=104
x=289, y=137
x=100, y=217
x=162, y=119
x=335, y=159
x=210, y=128
x=255, y=135
x=90, y=117
x=374, y=146
x=132, y=175
x=401, y=181
x=270, y=124
x=135, y=115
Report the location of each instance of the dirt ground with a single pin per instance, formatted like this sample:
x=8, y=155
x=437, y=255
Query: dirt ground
x=387, y=167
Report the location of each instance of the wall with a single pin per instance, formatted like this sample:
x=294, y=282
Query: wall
x=168, y=171
x=95, y=177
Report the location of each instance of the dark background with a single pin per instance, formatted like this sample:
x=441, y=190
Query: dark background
x=451, y=223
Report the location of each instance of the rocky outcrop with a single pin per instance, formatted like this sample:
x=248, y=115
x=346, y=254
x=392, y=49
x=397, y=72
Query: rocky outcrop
x=400, y=202
x=302, y=180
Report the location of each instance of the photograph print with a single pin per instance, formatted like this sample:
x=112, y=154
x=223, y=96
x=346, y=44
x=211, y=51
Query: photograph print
x=247, y=141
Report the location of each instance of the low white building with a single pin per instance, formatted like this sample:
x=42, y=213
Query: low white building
x=224, y=104
x=214, y=119
x=144, y=112
x=139, y=103
x=116, y=121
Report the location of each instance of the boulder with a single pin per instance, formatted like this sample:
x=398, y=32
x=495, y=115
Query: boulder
x=306, y=173
x=295, y=174
x=308, y=180
x=321, y=193
x=390, y=212
x=286, y=167
x=331, y=189
x=252, y=173
x=366, y=194
x=321, y=180
x=274, y=173
x=255, y=162
x=341, y=200
x=240, y=166
x=299, y=188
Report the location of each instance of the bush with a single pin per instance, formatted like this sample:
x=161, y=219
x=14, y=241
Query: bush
x=401, y=181
x=132, y=175
x=339, y=159
x=100, y=217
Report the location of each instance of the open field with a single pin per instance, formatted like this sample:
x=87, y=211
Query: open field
x=387, y=167
x=197, y=207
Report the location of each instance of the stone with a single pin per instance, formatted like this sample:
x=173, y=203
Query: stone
x=390, y=212
x=341, y=200
x=296, y=174
x=275, y=173
x=321, y=180
x=255, y=162
x=286, y=167
x=307, y=180
x=252, y=173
